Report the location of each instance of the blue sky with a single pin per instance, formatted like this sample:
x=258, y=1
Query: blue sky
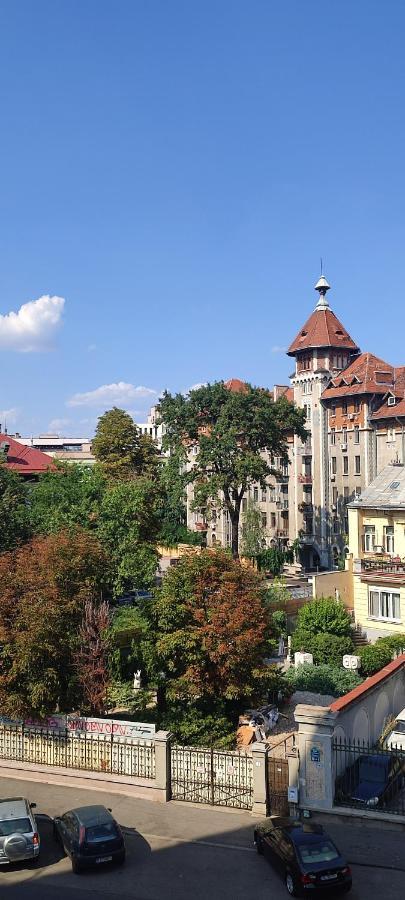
x=173, y=172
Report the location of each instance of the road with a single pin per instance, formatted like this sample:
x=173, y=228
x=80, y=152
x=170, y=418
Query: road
x=183, y=852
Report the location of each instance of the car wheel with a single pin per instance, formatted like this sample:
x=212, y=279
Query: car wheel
x=259, y=845
x=291, y=885
x=76, y=867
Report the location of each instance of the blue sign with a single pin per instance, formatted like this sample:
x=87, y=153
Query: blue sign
x=315, y=755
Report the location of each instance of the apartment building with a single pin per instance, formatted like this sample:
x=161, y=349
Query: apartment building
x=64, y=448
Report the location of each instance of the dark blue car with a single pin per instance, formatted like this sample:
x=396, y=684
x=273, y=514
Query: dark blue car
x=373, y=780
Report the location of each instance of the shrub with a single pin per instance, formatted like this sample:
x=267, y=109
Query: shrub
x=374, y=657
x=323, y=616
x=395, y=642
x=329, y=648
x=323, y=679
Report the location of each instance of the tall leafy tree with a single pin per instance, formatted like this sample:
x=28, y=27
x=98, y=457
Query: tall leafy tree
x=68, y=496
x=14, y=513
x=91, y=658
x=231, y=432
x=253, y=531
x=44, y=588
x=210, y=629
x=121, y=451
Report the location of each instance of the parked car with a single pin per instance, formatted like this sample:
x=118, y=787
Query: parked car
x=395, y=738
x=19, y=838
x=305, y=856
x=90, y=836
x=372, y=780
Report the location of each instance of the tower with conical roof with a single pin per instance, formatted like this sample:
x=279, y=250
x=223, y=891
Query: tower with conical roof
x=321, y=349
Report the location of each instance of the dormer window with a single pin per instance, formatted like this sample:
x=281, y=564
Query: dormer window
x=391, y=400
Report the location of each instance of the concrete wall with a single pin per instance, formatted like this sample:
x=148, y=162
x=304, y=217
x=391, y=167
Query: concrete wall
x=335, y=584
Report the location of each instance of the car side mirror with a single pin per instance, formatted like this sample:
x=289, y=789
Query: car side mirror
x=33, y=805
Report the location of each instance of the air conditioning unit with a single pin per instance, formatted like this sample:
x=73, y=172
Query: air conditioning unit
x=343, y=448
x=332, y=477
x=351, y=417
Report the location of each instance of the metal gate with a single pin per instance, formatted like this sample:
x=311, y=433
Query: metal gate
x=277, y=786
x=217, y=777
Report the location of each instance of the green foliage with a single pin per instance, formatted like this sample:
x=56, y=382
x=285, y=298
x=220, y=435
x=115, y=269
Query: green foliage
x=277, y=594
x=325, y=679
x=279, y=623
x=374, y=657
x=121, y=695
x=121, y=451
x=129, y=628
x=323, y=616
x=328, y=648
x=14, y=516
x=173, y=516
x=231, y=429
x=69, y=496
x=273, y=560
x=395, y=642
x=128, y=527
x=253, y=532
x=200, y=725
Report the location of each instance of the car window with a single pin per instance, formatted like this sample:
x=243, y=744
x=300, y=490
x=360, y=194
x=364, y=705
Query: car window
x=317, y=853
x=101, y=832
x=15, y=826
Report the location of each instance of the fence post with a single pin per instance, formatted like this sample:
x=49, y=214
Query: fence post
x=316, y=726
x=259, y=776
x=162, y=740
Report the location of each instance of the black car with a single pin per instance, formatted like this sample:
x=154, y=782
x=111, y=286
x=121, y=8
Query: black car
x=90, y=836
x=372, y=780
x=304, y=854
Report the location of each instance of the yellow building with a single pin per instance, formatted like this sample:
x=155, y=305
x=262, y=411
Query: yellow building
x=377, y=554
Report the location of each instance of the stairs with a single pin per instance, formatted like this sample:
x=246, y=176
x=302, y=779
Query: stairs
x=359, y=638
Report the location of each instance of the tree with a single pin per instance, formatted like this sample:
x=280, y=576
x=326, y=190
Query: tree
x=128, y=527
x=210, y=629
x=69, y=496
x=45, y=586
x=323, y=616
x=14, y=515
x=91, y=656
x=253, y=532
x=173, y=527
x=120, y=449
x=231, y=432
x=272, y=560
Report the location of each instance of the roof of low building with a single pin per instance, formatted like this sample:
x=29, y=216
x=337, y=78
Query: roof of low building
x=236, y=385
x=24, y=460
x=387, y=491
x=367, y=374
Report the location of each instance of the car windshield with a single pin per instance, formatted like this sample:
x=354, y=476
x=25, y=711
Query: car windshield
x=372, y=771
x=15, y=826
x=400, y=726
x=103, y=832
x=317, y=853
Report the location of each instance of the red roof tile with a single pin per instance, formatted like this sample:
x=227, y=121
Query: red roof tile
x=25, y=460
x=322, y=329
x=367, y=374
x=236, y=385
x=369, y=683
x=398, y=391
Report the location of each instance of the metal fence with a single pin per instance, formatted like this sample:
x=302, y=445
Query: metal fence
x=216, y=777
x=93, y=753
x=369, y=777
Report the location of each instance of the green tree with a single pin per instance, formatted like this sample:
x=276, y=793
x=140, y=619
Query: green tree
x=210, y=629
x=323, y=616
x=45, y=586
x=173, y=526
x=374, y=657
x=69, y=496
x=325, y=679
x=253, y=531
x=328, y=648
x=121, y=451
x=231, y=431
x=14, y=515
x=272, y=560
x=128, y=528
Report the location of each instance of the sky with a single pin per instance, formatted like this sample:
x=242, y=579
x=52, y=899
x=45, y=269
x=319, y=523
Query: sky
x=171, y=174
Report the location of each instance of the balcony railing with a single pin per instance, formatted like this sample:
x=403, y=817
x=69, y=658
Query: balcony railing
x=383, y=564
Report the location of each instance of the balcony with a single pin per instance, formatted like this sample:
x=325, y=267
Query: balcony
x=383, y=563
x=305, y=479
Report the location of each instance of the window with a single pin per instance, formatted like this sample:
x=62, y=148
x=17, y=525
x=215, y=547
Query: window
x=357, y=406
x=384, y=605
x=357, y=465
x=272, y=491
x=264, y=495
x=346, y=494
x=273, y=520
x=391, y=401
x=214, y=516
x=344, y=437
x=356, y=434
x=264, y=520
x=255, y=494
x=244, y=504
x=369, y=538
x=389, y=538
x=333, y=465
x=390, y=435
x=346, y=465
x=333, y=408
x=344, y=407
x=334, y=495
x=307, y=410
x=357, y=491
x=333, y=435
x=336, y=526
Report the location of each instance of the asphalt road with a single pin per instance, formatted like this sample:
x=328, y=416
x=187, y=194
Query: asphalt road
x=183, y=852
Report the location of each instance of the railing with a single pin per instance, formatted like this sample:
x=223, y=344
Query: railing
x=357, y=763
x=383, y=565
x=101, y=753
x=282, y=747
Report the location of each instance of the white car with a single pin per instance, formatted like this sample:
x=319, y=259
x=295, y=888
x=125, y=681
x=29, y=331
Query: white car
x=396, y=737
x=19, y=838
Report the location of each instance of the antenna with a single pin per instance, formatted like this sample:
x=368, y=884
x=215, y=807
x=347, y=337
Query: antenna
x=321, y=266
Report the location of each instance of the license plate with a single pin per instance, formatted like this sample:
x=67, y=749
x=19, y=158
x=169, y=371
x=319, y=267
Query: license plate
x=328, y=877
x=102, y=859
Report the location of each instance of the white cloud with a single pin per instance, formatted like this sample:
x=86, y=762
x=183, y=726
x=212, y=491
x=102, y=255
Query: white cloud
x=118, y=394
x=57, y=425
x=33, y=327
x=8, y=417
x=277, y=349
x=194, y=387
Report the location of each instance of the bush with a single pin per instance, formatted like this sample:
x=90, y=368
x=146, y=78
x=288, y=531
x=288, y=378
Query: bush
x=329, y=648
x=324, y=616
x=395, y=642
x=374, y=657
x=323, y=679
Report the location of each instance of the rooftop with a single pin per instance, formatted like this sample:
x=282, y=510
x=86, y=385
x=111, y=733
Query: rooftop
x=367, y=374
x=387, y=491
x=22, y=459
x=323, y=328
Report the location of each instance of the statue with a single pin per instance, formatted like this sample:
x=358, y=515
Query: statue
x=137, y=680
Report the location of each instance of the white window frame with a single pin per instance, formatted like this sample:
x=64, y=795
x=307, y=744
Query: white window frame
x=369, y=538
x=383, y=604
x=357, y=434
x=389, y=538
x=333, y=436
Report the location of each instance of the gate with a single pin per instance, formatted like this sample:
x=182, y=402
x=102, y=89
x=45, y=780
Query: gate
x=217, y=777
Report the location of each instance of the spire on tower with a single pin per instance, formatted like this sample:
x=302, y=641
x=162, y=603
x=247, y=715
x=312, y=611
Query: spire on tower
x=322, y=287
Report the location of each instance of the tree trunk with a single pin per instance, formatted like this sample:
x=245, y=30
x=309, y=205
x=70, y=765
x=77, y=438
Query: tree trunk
x=235, y=533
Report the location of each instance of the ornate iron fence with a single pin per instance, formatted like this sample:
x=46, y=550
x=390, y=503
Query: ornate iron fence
x=94, y=753
x=369, y=777
x=216, y=777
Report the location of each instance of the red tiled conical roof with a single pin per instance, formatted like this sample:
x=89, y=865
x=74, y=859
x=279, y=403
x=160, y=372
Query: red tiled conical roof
x=322, y=329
